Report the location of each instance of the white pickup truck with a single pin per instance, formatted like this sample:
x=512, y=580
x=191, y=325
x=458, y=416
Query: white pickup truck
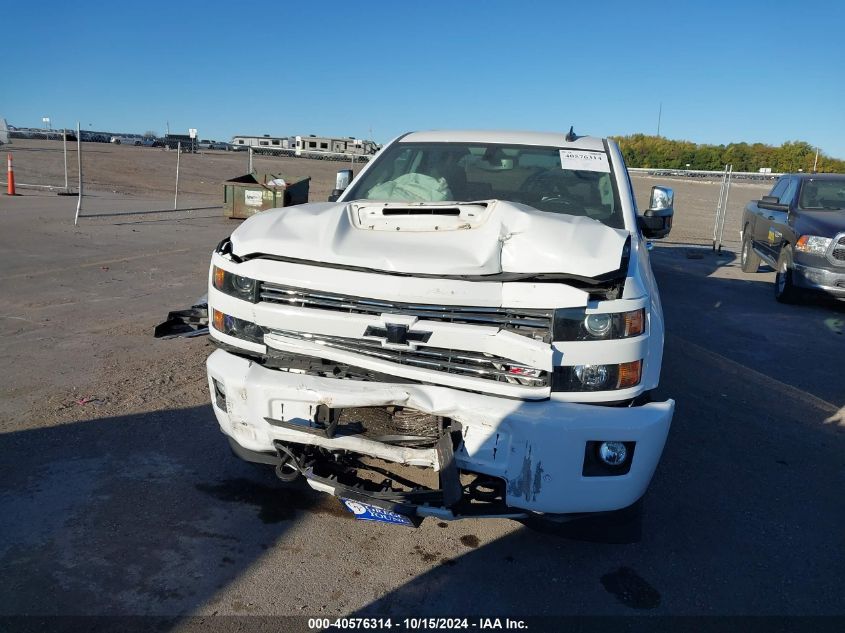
x=469, y=328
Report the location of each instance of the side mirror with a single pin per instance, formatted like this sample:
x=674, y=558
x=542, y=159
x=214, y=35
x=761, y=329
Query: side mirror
x=344, y=177
x=772, y=203
x=656, y=222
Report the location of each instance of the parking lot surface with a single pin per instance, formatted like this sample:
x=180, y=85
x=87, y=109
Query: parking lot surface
x=119, y=494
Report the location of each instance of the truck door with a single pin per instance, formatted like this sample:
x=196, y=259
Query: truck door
x=763, y=236
x=779, y=231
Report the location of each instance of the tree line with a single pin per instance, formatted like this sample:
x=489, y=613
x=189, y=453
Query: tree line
x=641, y=150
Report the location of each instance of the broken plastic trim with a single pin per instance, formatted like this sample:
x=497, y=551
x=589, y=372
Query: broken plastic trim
x=225, y=249
x=185, y=323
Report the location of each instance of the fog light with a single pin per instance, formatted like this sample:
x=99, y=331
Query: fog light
x=592, y=376
x=613, y=453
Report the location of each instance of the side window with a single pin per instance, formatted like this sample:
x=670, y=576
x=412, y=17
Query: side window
x=779, y=187
x=787, y=196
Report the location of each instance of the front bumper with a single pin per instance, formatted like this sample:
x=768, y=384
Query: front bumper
x=537, y=448
x=830, y=282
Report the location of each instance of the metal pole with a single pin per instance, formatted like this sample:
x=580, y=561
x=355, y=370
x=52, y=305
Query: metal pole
x=725, y=212
x=64, y=147
x=659, y=115
x=719, y=207
x=79, y=169
x=178, y=154
x=250, y=159
x=816, y=161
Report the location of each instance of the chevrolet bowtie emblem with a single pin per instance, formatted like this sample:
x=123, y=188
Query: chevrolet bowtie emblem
x=397, y=334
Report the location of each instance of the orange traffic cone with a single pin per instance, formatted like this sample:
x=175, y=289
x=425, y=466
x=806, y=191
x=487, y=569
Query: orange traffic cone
x=10, y=178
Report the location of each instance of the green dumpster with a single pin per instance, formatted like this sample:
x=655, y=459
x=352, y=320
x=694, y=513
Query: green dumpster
x=251, y=193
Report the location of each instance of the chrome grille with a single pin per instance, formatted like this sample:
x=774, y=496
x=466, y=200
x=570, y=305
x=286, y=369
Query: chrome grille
x=536, y=324
x=836, y=254
x=450, y=361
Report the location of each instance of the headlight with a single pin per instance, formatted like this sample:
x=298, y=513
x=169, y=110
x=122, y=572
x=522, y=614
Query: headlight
x=597, y=377
x=574, y=324
x=812, y=244
x=235, y=285
x=239, y=328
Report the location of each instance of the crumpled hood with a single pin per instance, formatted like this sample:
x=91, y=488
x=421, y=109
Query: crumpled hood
x=435, y=239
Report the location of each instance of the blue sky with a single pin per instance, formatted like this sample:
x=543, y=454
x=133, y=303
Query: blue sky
x=724, y=71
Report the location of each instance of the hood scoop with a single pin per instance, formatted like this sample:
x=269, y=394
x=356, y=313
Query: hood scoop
x=403, y=216
x=443, y=211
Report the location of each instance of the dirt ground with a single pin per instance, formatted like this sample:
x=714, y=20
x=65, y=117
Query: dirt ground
x=118, y=494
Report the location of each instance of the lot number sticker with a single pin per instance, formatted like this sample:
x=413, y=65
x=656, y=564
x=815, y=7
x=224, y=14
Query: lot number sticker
x=579, y=160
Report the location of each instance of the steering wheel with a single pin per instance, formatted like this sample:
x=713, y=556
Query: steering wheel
x=548, y=186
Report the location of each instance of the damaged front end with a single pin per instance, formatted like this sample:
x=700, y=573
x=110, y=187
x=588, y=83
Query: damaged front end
x=424, y=450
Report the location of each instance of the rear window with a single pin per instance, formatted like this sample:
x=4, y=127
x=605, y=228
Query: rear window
x=467, y=172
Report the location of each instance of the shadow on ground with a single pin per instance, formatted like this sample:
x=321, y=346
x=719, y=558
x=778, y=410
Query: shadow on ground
x=140, y=514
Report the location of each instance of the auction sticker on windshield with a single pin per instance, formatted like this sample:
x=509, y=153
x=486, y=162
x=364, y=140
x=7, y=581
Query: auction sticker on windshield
x=367, y=512
x=580, y=160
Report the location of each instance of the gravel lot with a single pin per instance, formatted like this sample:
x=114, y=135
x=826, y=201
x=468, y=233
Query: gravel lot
x=118, y=494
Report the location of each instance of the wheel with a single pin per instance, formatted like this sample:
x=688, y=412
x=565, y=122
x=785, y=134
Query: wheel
x=117, y=142
x=785, y=289
x=749, y=260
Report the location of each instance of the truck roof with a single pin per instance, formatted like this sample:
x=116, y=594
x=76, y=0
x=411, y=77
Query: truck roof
x=505, y=137
x=812, y=176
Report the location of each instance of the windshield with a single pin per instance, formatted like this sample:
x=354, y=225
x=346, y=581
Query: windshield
x=823, y=194
x=467, y=172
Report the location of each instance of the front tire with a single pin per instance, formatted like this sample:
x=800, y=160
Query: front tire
x=749, y=260
x=785, y=289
